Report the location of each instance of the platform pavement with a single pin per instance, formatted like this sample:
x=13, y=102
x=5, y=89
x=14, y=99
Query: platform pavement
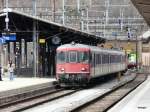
x=20, y=84
x=137, y=101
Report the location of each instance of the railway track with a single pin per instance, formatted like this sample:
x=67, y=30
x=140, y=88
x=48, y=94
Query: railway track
x=25, y=103
x=106, y=101
x=22, y=101
x=54, y=95
x=78, y=99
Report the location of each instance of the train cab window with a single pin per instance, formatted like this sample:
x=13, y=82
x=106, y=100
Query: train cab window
x=61, y=57
x=83, y=57
x=73, y=56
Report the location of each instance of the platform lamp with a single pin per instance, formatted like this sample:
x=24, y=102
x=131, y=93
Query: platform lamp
x=7, y=19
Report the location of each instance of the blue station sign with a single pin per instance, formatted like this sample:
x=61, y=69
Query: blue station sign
x=9, y=36
x=2, y=41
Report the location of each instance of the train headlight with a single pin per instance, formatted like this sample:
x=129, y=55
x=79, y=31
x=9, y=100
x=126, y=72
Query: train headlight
x=83, y=69
x=62, y=69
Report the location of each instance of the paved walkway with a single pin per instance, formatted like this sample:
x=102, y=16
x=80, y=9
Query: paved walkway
x=136, y=101
x=6, y=84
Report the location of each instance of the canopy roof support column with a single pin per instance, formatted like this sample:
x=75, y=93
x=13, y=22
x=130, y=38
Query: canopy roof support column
x=35, y=49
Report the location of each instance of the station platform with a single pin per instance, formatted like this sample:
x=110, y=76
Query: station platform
x=136, y=101
x=19, y=85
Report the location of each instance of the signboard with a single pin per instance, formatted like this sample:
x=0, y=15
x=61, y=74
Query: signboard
x=41, y=41
x=9, y=36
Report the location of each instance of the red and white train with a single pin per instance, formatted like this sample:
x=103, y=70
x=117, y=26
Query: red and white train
x=77, y=64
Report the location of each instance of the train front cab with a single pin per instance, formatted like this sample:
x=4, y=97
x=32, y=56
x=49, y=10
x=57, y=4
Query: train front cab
x=73, y=66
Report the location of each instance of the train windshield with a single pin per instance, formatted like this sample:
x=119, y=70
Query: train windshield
x=73, y=56
x=61, y=57
x=83, y=57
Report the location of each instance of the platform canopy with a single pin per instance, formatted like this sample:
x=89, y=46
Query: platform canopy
x=143, y=7
x=22, y=24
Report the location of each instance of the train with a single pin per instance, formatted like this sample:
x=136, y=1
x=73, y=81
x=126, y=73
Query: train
x=77, y=64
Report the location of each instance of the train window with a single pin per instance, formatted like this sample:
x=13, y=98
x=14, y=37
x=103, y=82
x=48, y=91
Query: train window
x=105, y=58
x=119, y=58
x=112, y=59
x=90, y=57
x=72, y=56
x=122, y=58
x=99, y=58
x=61, y=57
x=109, y=61
x=96, y=59
x=116, y=58
x=83, y=57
